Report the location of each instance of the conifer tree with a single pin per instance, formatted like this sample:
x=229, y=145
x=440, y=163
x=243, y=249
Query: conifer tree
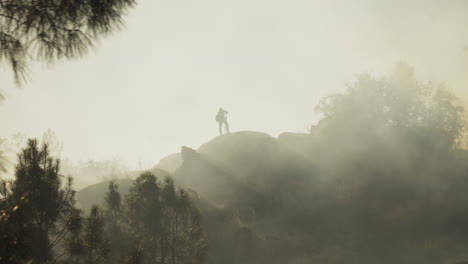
x=51, y=30
x=165, y=221
x=113, y=203
x=37, y=201
x=119, y=243
x=144, y=212
x=95, y=244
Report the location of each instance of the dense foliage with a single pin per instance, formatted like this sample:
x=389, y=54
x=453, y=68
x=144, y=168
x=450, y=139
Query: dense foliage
x=51, y=30
x=37, y=209
x=40, y=222
x=381, y=178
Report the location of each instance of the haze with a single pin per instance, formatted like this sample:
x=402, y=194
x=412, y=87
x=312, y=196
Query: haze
x=157, y=84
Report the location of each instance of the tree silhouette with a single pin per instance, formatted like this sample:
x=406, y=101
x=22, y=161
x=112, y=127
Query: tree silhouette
x=50, y=30
x=15, y=233
x=168, y=226
x=96, y=246
x=113, y=203
x=86, y=242
x=144, y=212
x=39, y=202
x=115, y=231
x=398, y=103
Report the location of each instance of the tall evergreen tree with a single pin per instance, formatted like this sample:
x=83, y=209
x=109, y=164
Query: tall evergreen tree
x=40, y=202
x=14, y=232
x=96, y=246
x=86, y=242
x=113, y=203
x=165, y=221
x=119, y=243
x=144, y=212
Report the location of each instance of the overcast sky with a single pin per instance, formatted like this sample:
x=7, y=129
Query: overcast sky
x=157, y=84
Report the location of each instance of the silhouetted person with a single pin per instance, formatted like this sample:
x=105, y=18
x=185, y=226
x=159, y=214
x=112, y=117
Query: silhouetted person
x=221, y=118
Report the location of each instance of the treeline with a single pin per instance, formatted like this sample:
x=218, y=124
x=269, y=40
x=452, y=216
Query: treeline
x=393, y=158
x=389, y=184
x=382, y=178
x=393, y=175
x=84, y=172
x=40, y=221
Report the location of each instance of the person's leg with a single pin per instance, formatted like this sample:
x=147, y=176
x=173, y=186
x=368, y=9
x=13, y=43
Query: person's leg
x=227, y=126
x=220, y=128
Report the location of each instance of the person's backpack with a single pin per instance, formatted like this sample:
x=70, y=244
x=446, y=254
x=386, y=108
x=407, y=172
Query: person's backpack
x=218, y=118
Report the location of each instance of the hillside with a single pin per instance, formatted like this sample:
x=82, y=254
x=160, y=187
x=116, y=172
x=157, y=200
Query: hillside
x=221, y=168
x=244, y=181
x=301, y=199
